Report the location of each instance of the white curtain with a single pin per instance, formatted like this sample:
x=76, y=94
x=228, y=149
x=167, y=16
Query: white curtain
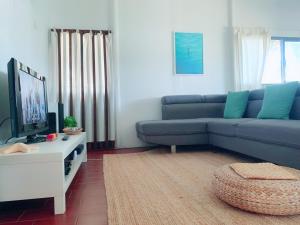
x=251, y=48
x=83, y=94
x=111, y=88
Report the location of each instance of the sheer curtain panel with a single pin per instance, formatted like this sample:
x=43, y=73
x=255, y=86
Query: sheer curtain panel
x=82, y=80
x=251, y=47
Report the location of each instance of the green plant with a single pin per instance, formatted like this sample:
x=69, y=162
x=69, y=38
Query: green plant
x=70, y=121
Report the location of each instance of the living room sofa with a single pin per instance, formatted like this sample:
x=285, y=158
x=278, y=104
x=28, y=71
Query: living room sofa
x=198, y=120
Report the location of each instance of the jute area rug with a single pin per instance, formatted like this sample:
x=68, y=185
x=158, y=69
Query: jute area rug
x=160, y=188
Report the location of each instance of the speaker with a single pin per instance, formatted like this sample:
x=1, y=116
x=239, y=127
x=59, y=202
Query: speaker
x=61, y=116
x=51, y=124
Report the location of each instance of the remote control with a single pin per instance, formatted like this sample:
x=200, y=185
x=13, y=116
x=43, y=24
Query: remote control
x=65, y=138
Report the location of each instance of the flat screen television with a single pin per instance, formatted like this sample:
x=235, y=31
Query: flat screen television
x=28, y=101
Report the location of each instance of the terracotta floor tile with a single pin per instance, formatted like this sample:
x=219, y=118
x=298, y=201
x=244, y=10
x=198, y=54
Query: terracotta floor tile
x=57, y=221
x=93, y=179
x=92, y=219
x=93, y=205
x=90, y=184
x=90, y=209
x=37, y=214
x=19, y=223
x=73, y=202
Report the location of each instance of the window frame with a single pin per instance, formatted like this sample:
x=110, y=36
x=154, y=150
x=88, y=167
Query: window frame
x=283, y=41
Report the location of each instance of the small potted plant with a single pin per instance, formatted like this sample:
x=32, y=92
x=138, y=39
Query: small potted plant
x=71, y=126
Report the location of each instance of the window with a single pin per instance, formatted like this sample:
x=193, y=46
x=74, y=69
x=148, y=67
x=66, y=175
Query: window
x=283, y=61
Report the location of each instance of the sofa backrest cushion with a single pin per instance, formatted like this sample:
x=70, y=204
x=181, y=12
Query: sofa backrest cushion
x=256, y=100
x=295, y=112
x=193, y=106
x=254, y=103
x=192, y=111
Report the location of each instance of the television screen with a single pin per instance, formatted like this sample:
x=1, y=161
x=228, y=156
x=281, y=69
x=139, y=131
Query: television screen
x=28, y=101
x=32, y=99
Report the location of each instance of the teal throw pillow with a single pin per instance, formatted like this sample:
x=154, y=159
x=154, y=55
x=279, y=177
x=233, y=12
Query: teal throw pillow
x=236, y=104
x=278, y=101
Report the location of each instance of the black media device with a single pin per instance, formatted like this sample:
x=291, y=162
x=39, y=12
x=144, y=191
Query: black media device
x=28, y=102
x=61, y=124
x=52, y=124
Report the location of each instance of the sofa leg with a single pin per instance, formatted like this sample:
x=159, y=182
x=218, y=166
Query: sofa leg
x=173, y=148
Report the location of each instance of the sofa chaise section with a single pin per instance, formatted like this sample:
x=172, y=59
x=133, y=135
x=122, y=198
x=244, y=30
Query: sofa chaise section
x=185, y=120
x=174, y=132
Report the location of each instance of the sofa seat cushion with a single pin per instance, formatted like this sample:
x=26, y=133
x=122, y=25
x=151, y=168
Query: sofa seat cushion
x=225, y=127
x=172, y=127
x=280, y=132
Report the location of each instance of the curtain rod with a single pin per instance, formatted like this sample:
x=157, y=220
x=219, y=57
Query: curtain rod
x=105, y=32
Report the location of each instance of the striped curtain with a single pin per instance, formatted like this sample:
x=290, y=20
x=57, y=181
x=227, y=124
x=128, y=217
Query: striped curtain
x=82, y=80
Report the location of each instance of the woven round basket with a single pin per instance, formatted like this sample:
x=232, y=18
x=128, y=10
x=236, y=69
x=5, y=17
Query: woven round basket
x=72, y=131
x=271, y=197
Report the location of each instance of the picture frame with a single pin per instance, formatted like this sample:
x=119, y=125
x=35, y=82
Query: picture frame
x=188, y=53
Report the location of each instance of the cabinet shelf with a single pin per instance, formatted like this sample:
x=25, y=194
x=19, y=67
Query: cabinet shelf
x=74, y=168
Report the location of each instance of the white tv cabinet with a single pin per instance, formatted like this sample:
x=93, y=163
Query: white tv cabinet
x=41, y=174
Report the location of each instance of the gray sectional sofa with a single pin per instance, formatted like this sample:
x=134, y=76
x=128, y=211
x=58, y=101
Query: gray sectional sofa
x=198, y=120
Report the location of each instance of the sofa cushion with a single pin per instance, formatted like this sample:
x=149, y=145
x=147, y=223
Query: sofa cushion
x=236, y=104
x=280, y=132
x=225, y=127
x=278, y=101
x=173, y=127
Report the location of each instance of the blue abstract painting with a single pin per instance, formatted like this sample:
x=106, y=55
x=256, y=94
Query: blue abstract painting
x=188, y=53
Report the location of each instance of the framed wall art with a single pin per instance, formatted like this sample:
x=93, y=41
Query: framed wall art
x=188, y=53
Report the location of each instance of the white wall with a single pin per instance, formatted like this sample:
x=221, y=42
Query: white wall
x=19, y=38
x=81, y=14
x=281, y=17
x=145, y=56
x=24, y=35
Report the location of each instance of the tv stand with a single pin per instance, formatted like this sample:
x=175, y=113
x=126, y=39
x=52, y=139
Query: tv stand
x=41, y=173
x=33, y=139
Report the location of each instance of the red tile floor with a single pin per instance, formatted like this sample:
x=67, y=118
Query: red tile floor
x=85, y=199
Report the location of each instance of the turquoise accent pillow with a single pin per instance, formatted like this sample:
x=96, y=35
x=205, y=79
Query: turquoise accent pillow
x=278, y=101
x=236, y=104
